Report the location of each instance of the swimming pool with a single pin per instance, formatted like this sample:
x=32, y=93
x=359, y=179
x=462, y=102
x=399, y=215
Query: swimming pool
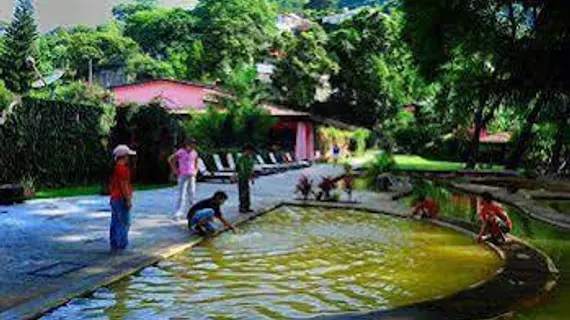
x=297, y=262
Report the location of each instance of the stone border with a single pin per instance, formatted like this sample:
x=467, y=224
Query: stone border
x=527, y=206
x=459, y=305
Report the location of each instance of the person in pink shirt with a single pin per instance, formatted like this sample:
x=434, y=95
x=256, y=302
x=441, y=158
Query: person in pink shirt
x=184, y=164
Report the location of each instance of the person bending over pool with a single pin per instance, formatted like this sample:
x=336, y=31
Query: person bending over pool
x=425, y=208
x=495, y=222
x=201, y=215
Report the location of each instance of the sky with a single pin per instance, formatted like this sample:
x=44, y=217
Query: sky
x=53, y=13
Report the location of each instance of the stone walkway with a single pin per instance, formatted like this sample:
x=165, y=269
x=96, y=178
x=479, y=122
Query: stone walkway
x=55, y=244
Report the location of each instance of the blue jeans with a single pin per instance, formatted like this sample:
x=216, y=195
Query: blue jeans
x=120, y=224
x=202, y=221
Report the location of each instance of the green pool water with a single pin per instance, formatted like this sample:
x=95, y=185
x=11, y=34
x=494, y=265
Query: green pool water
x=297, y=262
x=553, y=241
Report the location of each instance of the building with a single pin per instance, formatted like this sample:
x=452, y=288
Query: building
x=295, y=130
x=292, y=22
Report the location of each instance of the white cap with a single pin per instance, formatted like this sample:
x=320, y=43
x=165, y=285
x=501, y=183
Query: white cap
x=123, y=150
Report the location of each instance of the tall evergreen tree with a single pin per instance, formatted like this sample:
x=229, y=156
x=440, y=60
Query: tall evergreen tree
x=18, y=45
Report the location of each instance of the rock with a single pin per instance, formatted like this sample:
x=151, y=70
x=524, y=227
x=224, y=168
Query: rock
x=11, y=194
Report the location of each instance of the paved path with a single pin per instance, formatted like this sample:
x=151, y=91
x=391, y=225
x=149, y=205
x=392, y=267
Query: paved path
x=47, y=245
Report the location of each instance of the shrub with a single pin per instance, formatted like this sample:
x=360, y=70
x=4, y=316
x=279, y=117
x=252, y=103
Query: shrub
x=230, y=129
x=304, y=187
x=383, y=162
x=56, y=143
x=361, y=137
x=327, y=185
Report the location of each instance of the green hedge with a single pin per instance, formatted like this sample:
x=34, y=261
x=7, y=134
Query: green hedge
x=55, y=143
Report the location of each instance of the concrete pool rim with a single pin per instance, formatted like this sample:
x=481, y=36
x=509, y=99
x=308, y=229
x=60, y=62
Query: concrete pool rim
x=37, y=307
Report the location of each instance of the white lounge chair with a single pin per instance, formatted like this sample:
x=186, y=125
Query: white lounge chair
x=287, y=165
x=265, y=166
x=219, y=165
x=232, y=164
x=206, y=174
x=292, y=160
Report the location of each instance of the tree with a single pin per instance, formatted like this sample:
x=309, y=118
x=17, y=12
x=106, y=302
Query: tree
x=321, y=4
x=158, y=29
x=18, y=46
x=234, y=32
x=143, y=67
x=526, y=42
x=299, y=74
x=123, y=11
x=105, y=48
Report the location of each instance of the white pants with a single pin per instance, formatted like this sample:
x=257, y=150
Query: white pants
x=186, y=191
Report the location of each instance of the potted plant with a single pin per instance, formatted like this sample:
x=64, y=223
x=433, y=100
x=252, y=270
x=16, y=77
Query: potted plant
x=304, y=187
x=327, y=185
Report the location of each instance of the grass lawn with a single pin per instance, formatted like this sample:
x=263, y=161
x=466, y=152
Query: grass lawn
x=412, y=162
x=87, y=190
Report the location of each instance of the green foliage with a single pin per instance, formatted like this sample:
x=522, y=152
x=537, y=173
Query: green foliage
x=241, y=119
x=19, y=44
x=234, y=32
x=5, y=97
x=321, y=4
x=76, y=92
x=327, y=136
x=287, y=6
x=123, y=11
x=143, y=68
x=106, y=47
x=153, y=133
x=361, y=137
x=298, y=76
x=158, y=29
x=55, y=143
x=383, y=162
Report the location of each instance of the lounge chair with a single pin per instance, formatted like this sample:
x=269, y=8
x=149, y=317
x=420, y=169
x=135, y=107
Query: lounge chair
x=232, y=164
x=287, y=165
x=205, y=174
x=219, y=165
x=265, y=166
x=302, y=163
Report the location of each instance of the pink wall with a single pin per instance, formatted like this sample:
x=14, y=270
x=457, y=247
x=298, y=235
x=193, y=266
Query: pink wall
x=175, y=96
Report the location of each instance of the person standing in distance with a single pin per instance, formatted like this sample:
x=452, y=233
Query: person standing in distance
x=184, y=165
x=121, y=190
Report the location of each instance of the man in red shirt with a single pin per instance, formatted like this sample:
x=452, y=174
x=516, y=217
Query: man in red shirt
x=121, y=198
x=425, y=208
x=494, y=220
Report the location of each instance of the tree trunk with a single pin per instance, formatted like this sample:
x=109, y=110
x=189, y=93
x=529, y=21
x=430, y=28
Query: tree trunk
x=525, y=137
x=475, y=140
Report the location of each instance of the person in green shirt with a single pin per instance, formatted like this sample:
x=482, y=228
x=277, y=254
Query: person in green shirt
x=245, y=174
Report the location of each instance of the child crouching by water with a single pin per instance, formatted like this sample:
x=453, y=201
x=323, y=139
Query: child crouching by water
x=201, y=215
x=495, y=222
x=425, y=208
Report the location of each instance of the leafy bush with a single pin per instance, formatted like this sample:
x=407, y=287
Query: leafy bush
x=327, y=185
x=304, y=187
x=153, y=133
x=55, y=143
x=361, y=136
x=384, y=162
x=217, y=129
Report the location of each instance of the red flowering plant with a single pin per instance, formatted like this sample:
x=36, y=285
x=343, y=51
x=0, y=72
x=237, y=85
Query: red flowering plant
x=327, y=185
x=348, y=181
x=304, y=187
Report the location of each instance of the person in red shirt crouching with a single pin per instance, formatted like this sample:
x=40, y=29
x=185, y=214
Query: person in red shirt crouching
x=425, y=208
x=121, y=199
x=495, y=222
